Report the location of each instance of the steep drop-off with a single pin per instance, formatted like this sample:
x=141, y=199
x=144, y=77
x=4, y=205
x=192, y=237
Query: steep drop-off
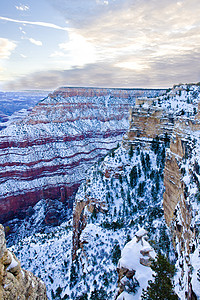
x=181, y=202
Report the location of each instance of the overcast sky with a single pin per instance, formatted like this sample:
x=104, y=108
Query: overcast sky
x=45, y=44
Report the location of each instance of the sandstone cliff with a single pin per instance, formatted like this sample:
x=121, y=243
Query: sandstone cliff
x=16, y=283
x=179, y=200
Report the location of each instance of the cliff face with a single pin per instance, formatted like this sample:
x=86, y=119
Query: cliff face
x=47, y=153
x=180, y=199
x=16, y=283
x=147, y=123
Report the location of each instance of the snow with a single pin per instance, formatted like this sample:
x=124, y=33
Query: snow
x=195, y=260
x=141, y=232
x=130, y=259
x=13, y=263
x=126, y=296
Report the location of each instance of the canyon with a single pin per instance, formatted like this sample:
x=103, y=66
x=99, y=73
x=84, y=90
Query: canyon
x=140, y=198
x=45, y=155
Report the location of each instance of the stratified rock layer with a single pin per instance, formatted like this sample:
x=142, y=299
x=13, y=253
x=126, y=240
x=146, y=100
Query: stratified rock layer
x=16, y=283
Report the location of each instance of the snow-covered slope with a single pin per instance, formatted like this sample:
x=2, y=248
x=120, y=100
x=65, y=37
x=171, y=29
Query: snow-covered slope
x=130, y=200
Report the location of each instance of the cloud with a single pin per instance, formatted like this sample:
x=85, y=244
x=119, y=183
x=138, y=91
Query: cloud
x=6, y=48
x=78, y=51
x=84, y=12
x=126, y=30
x=37, y=43
x=164, y=72
x=43, y=24
x=22, y=7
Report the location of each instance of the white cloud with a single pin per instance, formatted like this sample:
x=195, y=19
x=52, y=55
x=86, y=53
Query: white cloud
x=22, y=55
x=37, y=43
x=22, y=7
x=78, y=51
x=43, y=24
x=6, y=48
x=133, y=65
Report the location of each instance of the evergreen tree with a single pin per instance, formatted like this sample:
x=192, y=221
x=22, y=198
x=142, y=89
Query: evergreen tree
x=161, y=288
x=155, y=144
x=148, y=163
x=166, y=140
x=130, y=152
x=143, y=162
x=116, y=253
x=82, y=297
x=141, y=189
x=94, y=212
x=74, y=271
x=133, y=176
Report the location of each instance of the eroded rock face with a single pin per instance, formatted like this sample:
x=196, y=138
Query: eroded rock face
x=179, y=198
x=148, y=122
x=16, y=283
x=83, y=205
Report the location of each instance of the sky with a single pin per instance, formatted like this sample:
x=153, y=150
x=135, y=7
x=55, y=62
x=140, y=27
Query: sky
x=45, y=44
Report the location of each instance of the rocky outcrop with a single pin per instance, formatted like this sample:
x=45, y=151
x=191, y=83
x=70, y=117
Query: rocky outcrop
x=47, y=154
x=148, y=122
x=16, y=283
x=82, y=205
x=134, y=266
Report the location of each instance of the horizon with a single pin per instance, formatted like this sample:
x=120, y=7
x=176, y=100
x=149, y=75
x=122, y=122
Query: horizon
x=80, y=87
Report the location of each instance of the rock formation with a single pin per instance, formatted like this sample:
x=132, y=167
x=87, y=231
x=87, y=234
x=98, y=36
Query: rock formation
x=134, y=266
x=16, y=283
x=147, y=123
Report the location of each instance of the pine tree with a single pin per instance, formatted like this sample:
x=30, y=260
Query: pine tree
x=116, y=253
x=130, y=152
x=133, y=176
x=161, y=288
